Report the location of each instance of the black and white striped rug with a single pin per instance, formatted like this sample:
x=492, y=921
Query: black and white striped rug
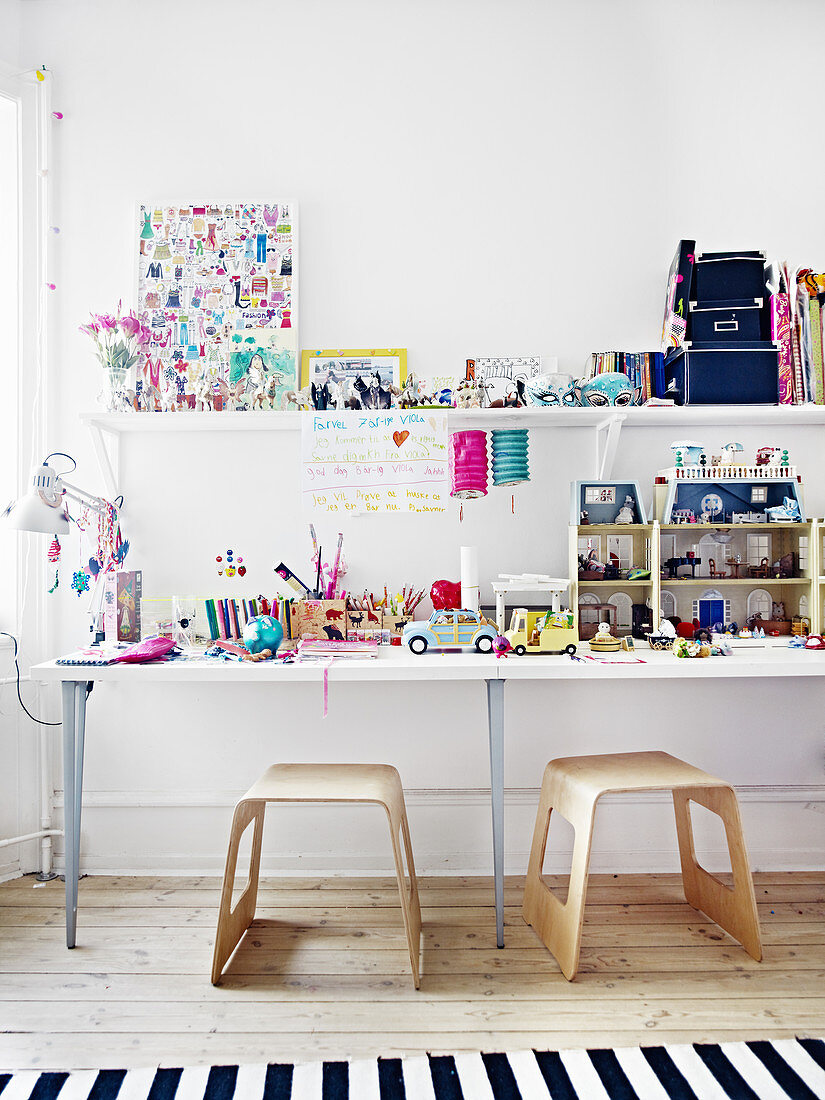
x=725, y=1071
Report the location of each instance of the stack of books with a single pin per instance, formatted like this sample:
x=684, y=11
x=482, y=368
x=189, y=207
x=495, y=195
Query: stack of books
x=645, y=369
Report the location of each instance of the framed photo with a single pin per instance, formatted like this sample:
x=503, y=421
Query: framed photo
x=339, y=365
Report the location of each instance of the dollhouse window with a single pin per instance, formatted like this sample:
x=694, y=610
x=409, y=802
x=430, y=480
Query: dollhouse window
x=590, y=542
x=803, y=555
x=759, y=547
x=620, y=547
x=624, y=610
x=668, y=604
x=803, y=606
x=760, y=603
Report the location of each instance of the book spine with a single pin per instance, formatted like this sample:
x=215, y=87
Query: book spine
x=815, y=316
x=781, y=335
x=233, y=617
x=212, y=619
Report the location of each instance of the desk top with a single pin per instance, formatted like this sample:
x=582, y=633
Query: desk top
x=397, y=664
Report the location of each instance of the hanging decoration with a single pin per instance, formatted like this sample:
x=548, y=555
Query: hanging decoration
x=80, y=581
x=468, y=464
x=53, y=554
x=510, y=460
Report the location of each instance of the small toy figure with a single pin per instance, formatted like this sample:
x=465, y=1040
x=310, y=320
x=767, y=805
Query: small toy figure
x=732, y=454
x=501, y=646
x=625, y=514
x=585, y=518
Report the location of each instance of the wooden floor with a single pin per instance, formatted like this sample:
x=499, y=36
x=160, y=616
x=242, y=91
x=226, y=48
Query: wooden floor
x=324, y=972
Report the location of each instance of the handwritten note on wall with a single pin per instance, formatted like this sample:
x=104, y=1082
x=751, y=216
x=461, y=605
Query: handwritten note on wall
x=375, y=462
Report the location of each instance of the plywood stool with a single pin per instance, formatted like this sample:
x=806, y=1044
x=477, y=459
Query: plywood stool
x=573, y=785
x=379, y=783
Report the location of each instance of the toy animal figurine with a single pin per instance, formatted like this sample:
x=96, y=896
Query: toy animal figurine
x=732, y=454
x=374, y=394
x=765, y=456
x=467, y=395
x=626, y=512
x=515, y=399
x=610, y=388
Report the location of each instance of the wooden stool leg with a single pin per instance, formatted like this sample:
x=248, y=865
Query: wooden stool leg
x=233, y=923
x=733, y=909
x=410, y=905
x=559, y=926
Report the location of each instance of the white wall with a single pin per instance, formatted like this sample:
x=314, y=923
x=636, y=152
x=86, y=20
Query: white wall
x=473, y=178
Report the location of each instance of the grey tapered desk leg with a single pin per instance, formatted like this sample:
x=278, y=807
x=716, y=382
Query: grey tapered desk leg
x=495, y=718
x=74, y=732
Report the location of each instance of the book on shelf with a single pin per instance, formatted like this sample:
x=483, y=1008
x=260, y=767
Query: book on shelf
x=645, y=369
x=227, y=617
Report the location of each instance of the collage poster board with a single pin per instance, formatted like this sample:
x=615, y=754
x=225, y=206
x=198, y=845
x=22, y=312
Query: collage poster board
x=371, y=462
x=219, y=285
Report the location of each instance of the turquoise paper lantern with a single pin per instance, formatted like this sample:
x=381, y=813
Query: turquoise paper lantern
x=510, y=462
x=261, y=633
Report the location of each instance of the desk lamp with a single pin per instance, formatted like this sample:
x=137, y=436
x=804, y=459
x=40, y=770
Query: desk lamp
x=44, y=508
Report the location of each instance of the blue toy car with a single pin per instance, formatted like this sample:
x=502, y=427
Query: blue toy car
x=450, y=629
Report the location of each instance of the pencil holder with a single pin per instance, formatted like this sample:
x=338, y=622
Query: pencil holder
x=468, y=464
x=510, y=462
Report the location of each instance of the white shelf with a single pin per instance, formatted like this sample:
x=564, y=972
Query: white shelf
x=606, y=424
x=726, y=415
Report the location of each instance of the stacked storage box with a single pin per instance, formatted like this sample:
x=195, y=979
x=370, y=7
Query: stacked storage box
x=727, y=357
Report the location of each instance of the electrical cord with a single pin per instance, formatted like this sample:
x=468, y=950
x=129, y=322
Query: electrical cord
x=19, y=697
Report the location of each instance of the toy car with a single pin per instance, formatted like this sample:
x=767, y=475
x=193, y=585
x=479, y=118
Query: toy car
x=542, y=632
x=448, y=629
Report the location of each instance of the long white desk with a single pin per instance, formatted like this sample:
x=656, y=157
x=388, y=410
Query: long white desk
x=392, y=665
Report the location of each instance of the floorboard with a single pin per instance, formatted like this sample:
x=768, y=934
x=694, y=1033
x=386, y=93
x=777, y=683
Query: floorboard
x=323, y=972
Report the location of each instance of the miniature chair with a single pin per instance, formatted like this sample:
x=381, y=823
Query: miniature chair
x=574, y=785
x=379, y=783
x=714, y=572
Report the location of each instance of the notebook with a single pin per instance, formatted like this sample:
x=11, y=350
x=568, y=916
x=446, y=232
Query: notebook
x=88, y=657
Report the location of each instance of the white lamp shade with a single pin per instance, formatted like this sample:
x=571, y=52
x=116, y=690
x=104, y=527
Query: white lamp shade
x=31, y=513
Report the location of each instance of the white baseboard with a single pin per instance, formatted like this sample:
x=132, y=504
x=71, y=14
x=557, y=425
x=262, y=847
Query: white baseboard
x=812, y=796
x=178, y=832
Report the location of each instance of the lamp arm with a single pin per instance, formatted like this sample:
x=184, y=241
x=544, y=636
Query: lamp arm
x=97, y=504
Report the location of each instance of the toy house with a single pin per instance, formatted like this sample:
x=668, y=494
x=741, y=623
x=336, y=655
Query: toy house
x=611, y=560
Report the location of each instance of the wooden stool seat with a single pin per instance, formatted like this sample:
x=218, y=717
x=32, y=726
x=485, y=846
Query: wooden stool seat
x=573, y=785
x=376, y=783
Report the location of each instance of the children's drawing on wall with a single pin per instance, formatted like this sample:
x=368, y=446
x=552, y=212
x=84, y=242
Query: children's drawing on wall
x=261, y=369
x=218, y=285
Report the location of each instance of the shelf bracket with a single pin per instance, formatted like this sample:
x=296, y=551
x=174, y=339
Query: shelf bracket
x=108, y=457
x=608, y=432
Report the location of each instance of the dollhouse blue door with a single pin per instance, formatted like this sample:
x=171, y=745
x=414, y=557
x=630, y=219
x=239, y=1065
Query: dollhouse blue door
x=711, y=611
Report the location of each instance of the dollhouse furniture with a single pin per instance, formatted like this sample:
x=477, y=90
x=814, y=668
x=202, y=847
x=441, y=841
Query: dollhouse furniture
x=377, y=783
x=714, y=572
x=572, y=786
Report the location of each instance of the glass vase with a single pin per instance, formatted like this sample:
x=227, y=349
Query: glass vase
x=113, y=393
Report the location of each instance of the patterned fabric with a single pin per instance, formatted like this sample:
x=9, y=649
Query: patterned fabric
x=705, y=1071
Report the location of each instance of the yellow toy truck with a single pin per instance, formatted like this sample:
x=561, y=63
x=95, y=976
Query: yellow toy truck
x=542, y=632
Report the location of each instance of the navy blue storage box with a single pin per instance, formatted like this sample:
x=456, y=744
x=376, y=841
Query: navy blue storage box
x=725, y=374
x=737, y=321
x=722, y=276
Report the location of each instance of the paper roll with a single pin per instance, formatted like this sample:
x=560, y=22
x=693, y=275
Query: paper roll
x=469, y=578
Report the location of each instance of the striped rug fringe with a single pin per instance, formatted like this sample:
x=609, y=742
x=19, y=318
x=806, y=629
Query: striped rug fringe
x=704, y=1071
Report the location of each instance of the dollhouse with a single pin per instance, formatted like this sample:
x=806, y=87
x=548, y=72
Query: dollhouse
x=728, y=543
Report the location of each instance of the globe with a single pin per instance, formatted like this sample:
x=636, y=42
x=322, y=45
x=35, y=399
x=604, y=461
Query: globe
x=263, y=632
